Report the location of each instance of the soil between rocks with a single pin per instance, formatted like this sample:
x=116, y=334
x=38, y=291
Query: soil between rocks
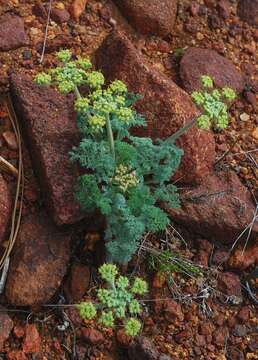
x=214, y=329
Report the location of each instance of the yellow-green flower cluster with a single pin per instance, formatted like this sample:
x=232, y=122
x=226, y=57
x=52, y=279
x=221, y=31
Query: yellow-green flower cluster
x=132, y=327
x=125, y=114
x=43, y=79
x=81, y=105
x=139, y=287
x=64, y=55
x=118, y=87
x=96, y=122
x=124, y=178
x=84, y=63
x=207, y=81
x=95, y=79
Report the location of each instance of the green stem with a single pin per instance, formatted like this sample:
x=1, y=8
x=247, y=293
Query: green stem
x=181, y=131
x=110, y=137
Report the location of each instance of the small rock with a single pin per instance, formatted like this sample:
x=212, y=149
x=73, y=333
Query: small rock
x=223, y=8
x=173, y=311
x=143, y=349
x=244, y=314
x=16, y=355
x=247, y=10
x=197, y=62
x=220, y=257
x=10, y=140
x=255, y=133
x=32, y=341
x=12, y=33
x=241, y=260
x=244, y=117
x=39, y=10
x=122, y=338
x=77, y=7
x=92, y=336
x=19, y=331
x=239, y=330
x=78, y=282
x=194, y=8
x=153, y=17
x=60, y=16
x=229, y=284
x=251, y=98
x=199, y=36
x=39, y=261
x=219, y=337
x=6, y=325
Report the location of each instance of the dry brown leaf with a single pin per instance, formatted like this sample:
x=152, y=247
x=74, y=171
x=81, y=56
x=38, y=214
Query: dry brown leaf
x=76, y=8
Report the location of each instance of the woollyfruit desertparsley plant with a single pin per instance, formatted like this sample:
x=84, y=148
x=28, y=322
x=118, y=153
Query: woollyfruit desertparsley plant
x=214, y=104
x=126, y=175
x=117, y=301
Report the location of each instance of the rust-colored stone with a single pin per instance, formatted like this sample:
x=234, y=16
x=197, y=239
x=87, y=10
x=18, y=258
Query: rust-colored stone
x=5, y=207
x=12, y=33
x=39, y=262
x=167, y=108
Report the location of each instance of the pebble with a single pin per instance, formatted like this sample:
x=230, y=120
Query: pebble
x=244, y=117
x=255, y=133
x=199, y=36
x=10, y=140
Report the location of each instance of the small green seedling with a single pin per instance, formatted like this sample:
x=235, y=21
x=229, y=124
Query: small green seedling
x=117, y=301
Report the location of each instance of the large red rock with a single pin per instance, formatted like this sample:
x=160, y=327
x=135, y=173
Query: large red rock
x=51, y=132
x=166, y=107
x=38, y=263
x=219, y=209
x=197, y=62
x=5, y=207
x=242, y=259
x=247, y=10
x=12, y=33
x=152, y=17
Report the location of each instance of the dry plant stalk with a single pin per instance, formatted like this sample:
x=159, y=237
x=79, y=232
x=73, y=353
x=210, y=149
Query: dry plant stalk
x=8, y=167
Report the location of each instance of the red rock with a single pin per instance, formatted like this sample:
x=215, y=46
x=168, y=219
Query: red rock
x=223, y=7
x=51, y=132
x=39, y=262
x=219, y=209
x=60, y=15
x=194, y=8
x=251, y=99
x=18, y=331
x=32, y=341
x=6, y=325
x=242, y=260
x=219, y=337
x=173, y=311
x=77, y=7
x=122, y=338
x=5, y=208
x=143, y=349
x=92, y=336
x=166, y=107
x=247, y=10
x=78, y=282
x=60, y=41
x=10, y=140
x=200, y=340
x=16, y=355
x=244, y=314
x=197, y=62
x=220, y=257
x=153, y=17
x=229, y=284
x=12, y=33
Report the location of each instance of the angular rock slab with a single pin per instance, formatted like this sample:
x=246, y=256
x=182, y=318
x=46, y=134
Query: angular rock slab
x=12, y=33
x=38, y=263
x=247, y=10
x=152, y=17
x=197, y=62
x=5, y=207
x=165, y=106
x=50, y=130
x=220, y=208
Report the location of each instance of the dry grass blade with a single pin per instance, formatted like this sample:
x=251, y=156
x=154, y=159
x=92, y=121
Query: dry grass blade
x=17, y=208
x=8, y=167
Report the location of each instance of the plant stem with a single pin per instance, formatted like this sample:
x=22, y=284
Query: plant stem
x=181, y=131
x=110, y=137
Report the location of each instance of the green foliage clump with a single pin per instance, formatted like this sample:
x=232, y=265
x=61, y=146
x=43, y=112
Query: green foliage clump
x=126, y=175
x=214, y=104
x=116, y=301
